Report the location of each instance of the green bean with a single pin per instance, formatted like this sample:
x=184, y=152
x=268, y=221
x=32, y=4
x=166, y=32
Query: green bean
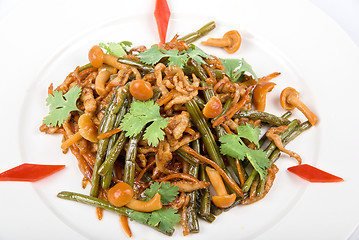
x=84, y=67
x=291, y=126
x=205, y=203
x=107, y=165
x=96, y=202
x=206, y=134
x=263, y=116
x=140, y=66
x=208, y=218
x=191, y=37
x=109, y=161
x=106, y=125
x=199, y=102
x=219, y=73
x=131, y=153
x=197, y=69
x=192, y=217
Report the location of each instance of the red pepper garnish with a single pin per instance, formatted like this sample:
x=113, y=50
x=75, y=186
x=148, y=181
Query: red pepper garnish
x=313, y=174
x=30, y=172
x=162, y=14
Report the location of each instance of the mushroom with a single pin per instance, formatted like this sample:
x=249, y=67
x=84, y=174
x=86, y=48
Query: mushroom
x=260, y=95
x=87, y=128
x=222, y=200
x=289, y=99
x=230, y=41
x=146, y=206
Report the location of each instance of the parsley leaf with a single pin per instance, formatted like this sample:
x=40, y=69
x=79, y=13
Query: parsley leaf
x=154, y=55
x=61, y=105
x=141, y=114
x=232, y=145
x=167, y=191
x=116, y=49
x=197, y=54
x=234, y=69
x=151, y=56
x=164, y=219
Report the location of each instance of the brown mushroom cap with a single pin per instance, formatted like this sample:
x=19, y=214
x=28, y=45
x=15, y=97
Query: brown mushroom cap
x=289, y=91
x=235, y=41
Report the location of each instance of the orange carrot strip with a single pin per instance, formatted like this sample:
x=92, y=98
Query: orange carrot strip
x=269, y=77
x=125, y=226
x=208, y=161
x=229, y=114
x=240, y=171
x=190, y=131
x=220, y=83
x=140, y=175
x=184, y=176
x=165, y=99
x=108, y=133
x=50, y=89
x=71, y=140
x=228, y=130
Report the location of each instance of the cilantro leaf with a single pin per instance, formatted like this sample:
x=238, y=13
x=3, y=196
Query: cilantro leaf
x=151, y=56
x=174, y=58
x=197, y=54
x=154, y=55
x=164, y=219
x=116, y=49
x=141, y=217
x=234, y=69
x=142, y=113
x=232, y=145
x=61, y=105
x=167, y=191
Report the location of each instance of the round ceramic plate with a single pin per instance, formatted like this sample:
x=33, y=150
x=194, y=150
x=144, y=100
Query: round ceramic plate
x=275, y=39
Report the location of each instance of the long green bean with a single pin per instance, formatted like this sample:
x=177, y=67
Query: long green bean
x=96, y=202
x=205, y=203
x=140, y=66
x=106, y=125
x=263, y=116
x=131, y=153
x=192, y=217
x=271, y=147
x=191, y=37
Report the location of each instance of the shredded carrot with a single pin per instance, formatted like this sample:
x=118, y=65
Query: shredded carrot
x=184, y=176
x=220, y=83
x=71, y=140
x=125, y=226
x=50, y=89
x=99, y=213
x=268, y=77
x=190, y=131
x=228, y=130
x=86, y=72
x=109, y=133
x=240, y=170
x=140, y=175
x=208, y=161
x=165, y=99
x=235, y=108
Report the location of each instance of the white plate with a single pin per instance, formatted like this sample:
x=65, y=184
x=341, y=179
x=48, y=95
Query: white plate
x=43, y=41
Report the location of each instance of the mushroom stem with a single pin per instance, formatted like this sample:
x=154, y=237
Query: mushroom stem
x=217, y=42
x=216, y=181
x=295, y=101
x=146, y=206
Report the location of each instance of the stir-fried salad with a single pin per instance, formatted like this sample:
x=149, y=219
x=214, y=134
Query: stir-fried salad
x=155, y=129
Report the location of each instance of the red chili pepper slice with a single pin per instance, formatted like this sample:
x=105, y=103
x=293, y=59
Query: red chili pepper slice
x=30, y=172
x=313, y=174
x=162, y=15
